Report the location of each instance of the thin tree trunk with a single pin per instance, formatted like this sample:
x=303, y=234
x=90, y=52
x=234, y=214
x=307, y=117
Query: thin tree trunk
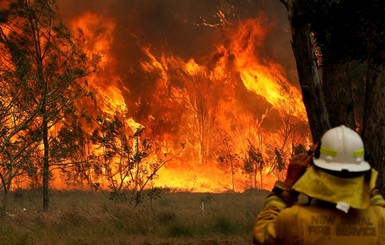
x=232, y=173
x=255, y=178
x=45, y=167
x=37, y=42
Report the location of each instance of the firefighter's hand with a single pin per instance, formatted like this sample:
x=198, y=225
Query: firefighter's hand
x=297, y=167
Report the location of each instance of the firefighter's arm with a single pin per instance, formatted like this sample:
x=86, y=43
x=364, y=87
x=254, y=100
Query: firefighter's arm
x=376, y=198
x=264, y=230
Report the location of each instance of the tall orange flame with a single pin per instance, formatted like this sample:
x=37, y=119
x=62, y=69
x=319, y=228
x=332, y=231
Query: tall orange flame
x=217, y=104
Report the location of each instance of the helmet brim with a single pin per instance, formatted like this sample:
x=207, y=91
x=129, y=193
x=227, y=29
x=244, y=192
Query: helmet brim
x=351, y=167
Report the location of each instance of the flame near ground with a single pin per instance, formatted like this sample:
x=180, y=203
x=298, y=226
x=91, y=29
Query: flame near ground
x=213, y=75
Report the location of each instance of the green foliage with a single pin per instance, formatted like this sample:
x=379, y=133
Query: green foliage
x=129, y=162
x=70, y=141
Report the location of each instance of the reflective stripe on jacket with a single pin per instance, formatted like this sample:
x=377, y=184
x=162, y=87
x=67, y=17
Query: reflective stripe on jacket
x=320, y=223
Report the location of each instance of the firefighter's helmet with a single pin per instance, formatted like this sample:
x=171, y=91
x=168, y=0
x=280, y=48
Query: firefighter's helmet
x=341, y=149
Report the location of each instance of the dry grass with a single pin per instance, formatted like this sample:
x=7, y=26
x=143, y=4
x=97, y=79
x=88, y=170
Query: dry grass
x=77, y=217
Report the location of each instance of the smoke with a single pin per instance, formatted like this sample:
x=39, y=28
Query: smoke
x=187, y=29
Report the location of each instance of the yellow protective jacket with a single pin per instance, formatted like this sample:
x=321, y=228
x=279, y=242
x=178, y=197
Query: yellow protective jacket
x=319, y=223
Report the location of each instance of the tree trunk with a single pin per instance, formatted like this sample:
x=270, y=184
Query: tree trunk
x=45, y=167
x=374, y=122
x=232, y=173
x=308, y=75
x=255, y=177
x=337, y=88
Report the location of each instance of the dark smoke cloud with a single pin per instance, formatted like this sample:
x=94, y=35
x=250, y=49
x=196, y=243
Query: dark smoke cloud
x=178, y=26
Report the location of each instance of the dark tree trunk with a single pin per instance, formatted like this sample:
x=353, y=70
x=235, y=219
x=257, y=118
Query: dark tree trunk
x=307, y=68
x=337, y=88
x=337, y=104
x=45, y=167
x=373, y=131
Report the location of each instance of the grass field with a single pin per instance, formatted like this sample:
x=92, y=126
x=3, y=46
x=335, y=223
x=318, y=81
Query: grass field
x=85, y=217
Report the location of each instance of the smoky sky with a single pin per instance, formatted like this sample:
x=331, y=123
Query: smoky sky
x=183, y=28
x=179, y=26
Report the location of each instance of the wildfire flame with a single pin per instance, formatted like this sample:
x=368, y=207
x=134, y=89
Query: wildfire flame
x=215, y=103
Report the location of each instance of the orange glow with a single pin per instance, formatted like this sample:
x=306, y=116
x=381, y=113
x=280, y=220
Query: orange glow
x=215, y=104
x=99, y=43
x=265, y=78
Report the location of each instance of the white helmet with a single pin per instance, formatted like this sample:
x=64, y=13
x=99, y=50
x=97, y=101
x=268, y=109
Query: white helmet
x=342, y=149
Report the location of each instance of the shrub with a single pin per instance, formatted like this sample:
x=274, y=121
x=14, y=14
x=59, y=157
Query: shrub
x=164, y=202
x=166, y=217
x=223, y=225
x=179, y=230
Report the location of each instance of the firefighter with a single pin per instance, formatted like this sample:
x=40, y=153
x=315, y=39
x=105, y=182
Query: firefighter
x=343, y=206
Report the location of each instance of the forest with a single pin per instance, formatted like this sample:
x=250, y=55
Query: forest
x=55, y=125
x=136, y=122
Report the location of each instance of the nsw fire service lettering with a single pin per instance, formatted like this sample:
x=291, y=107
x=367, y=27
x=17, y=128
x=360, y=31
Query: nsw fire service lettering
x=321, y=225
x=322, y=219
x=318, y=230
x=364, y=220
x=329, y=225
x=344, y=230
x=356, y=226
